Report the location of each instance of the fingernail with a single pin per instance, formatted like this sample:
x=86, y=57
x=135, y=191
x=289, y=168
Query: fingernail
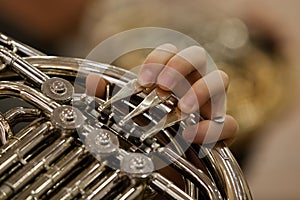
x=188, y=103
x=146, y=77
x=168, y=47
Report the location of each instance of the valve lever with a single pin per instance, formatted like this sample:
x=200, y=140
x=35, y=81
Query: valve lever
x=169, y=120
x=132, y=87
x=155, y=97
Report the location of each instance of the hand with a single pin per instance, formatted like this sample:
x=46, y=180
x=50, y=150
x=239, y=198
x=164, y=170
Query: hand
x=184, y=73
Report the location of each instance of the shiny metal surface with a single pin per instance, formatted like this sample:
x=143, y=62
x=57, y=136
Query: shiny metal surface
x=18, y=46
x=90, y=148
x=156, y=97
x=22, y=67
x=5, y=130
x=58, y=89
x=132, y=87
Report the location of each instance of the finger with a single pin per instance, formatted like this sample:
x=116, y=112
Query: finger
x=214, y=107
x=212, y=84
x=185, y=83
x=193, y=77
x=208, y=131
x=95, y=85
x=179, y=66
x=154, y=63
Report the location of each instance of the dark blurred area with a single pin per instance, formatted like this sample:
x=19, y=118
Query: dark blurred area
x=41, y=24
x=255, y=42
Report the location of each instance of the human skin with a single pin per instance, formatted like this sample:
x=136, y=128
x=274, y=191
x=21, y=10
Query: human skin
x=169, y=69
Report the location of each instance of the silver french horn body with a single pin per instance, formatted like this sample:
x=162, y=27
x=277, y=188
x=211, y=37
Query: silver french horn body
x=56, y=142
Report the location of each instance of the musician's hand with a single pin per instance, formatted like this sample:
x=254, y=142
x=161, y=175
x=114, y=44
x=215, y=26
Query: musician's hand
x=184, y=73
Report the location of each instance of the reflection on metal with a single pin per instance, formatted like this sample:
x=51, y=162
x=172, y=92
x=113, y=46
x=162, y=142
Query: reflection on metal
x=129, y=89
x=156, y=97
x=137, y=165
x=77, y=149
x=172, y=118
x=67, y=118
x=58, y=89
x=5, y=130
x=102, y=142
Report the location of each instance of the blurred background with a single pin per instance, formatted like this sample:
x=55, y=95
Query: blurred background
x=255, y=42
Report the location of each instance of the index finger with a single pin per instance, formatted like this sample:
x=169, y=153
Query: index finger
x=154, y=63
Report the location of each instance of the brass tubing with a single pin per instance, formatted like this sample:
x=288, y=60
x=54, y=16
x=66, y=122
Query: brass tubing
x=28, y=143
x=104, y=186
x=22, y=67
x=226, y=172
x=79, y=184
x=199, y=178
x=29, y=51
x=21, y=113
x=134, y=191
x=19, y=136
x=28, y=94
x=35, y=166
x=5, y=130
x=53, y=175
x=165, y=187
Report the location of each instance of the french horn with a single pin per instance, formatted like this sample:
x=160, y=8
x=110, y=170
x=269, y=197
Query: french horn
x=59, y=143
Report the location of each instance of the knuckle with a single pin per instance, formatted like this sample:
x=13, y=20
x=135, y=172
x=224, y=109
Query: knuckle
x=224, y=76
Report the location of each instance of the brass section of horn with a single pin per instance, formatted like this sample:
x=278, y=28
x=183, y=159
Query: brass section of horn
x=57, y=147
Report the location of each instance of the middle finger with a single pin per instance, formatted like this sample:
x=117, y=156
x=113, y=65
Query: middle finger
x=187, y=61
